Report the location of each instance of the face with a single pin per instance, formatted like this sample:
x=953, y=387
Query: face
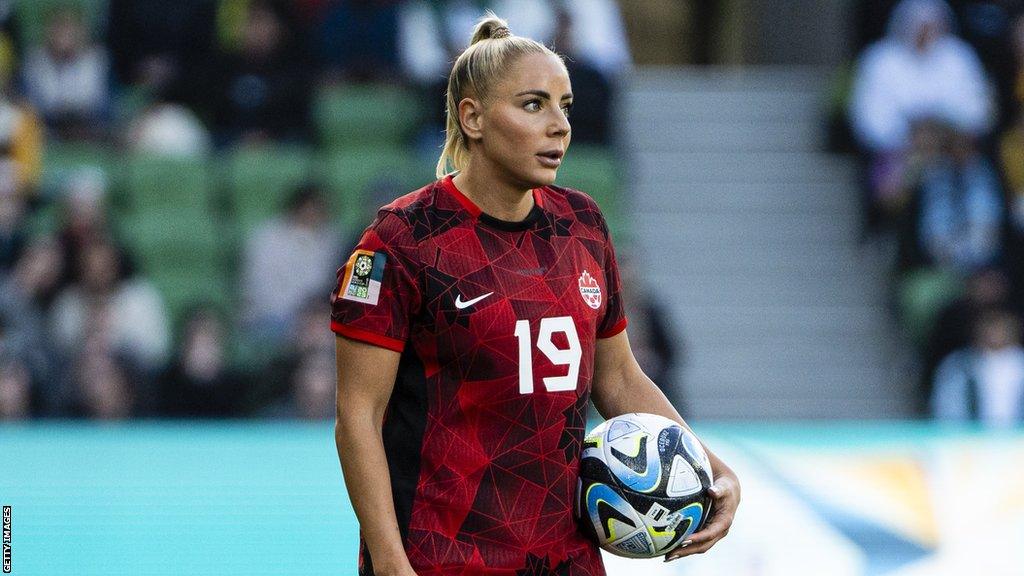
x=99, y=266
x=522, y=128
x=927, y=34
x=65, y=34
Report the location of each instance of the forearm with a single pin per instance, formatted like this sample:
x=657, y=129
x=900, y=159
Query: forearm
x=634, y=392
x=365, y=469
x=630, y=390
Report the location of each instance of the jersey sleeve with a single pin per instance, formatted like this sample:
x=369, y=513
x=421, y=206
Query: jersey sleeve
x=614, y=320
x=377, y=292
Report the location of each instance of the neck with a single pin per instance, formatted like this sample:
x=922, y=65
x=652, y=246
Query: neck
x=494, y=195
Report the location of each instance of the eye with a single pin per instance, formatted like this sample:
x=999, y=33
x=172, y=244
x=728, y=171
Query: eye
x=532, y=105
x=566, y=108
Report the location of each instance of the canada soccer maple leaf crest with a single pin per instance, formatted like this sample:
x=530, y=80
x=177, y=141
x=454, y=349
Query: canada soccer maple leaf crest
x=590, y=290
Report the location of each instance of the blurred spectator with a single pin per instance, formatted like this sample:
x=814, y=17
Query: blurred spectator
x=286, y=260
x=124, y=315
x=431, y=33
x=918, y=72
x=102, y=388
x=10, y=34
x=598, y=34
x=307, y=338
x=20, y=167
x=984, y=382
x=591, y=109
x=952, y=227
x=169, y=129
x=83, y=216
x=658, y=347
x=66, y=78
x=314, y=385
x=987, y=289
x=262, y=91
x=301, y=381
x=961, y=208
x=1011, y=145
x=199, y=382
x=1011, y=155
x=12, y=230
x=15, y=389
x=21, y=141
x=160, y=45
x=24, y=294
x=357, y=39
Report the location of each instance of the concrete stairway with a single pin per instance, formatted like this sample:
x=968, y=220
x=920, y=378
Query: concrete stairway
x=748, y=232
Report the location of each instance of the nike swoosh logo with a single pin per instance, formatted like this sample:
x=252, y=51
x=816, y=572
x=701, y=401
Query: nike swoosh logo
x=460, y=304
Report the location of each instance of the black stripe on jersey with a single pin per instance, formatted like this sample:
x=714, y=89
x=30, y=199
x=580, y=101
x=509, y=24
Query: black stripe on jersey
x=403, y=434
x=510, y=226
x=404, y=424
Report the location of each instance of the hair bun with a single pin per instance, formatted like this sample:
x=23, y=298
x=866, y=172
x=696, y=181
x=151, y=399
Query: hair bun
x=490, y=27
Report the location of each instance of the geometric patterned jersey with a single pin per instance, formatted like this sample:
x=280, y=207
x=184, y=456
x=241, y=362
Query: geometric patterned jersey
x=497, y=323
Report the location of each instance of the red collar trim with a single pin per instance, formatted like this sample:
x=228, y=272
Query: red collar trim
x=449, y=185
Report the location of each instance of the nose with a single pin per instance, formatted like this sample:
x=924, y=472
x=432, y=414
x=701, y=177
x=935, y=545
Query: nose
x=560, y=123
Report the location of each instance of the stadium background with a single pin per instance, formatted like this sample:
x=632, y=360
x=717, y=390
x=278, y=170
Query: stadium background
x=179, y=182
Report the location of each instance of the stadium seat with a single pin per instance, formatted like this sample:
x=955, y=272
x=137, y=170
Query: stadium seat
x=152, y=184
x=595, y=170
x=366, y=114
x=61, y=159
x=260, y=180
x=350, y=173
x=175, y=241
x=185, y=291
x=32, y=15
x=182, y=254
x=60, y=163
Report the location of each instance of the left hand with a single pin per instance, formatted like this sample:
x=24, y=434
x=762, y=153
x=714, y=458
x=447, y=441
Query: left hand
x=725, y=494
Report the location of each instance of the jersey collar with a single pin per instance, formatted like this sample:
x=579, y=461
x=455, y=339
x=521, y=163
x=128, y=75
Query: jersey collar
x=538, y=203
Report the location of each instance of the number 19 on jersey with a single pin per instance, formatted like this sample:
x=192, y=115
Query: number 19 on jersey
x=570, y=356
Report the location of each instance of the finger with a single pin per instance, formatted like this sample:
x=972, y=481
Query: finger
x=717, y=526
x=690, y=550
x=678, y=552
x=722, y=489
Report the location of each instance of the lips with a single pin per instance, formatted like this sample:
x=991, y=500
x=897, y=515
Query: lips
x=551, y=158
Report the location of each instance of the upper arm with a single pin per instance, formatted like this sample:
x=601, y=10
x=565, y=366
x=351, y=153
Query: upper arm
x=366, y=377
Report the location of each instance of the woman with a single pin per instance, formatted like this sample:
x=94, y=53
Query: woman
x=477, y=317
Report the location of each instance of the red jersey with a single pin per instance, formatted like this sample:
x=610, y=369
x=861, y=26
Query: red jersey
x=497, y=324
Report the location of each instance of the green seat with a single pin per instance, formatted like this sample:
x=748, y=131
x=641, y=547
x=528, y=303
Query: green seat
x=62, y=160
x=260, y=180
x=184, y=290
x=173, y=242
x=594, y=170
x=32, y=16
x=154, y=184
x=922, y=294
x=349, y=173
x=366, y=114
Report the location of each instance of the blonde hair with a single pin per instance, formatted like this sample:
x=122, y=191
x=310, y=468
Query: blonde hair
x=492, y=49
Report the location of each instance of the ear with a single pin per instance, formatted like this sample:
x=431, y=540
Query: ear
x=471, y=118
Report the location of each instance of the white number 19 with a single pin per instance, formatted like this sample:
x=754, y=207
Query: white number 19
x=568, y=357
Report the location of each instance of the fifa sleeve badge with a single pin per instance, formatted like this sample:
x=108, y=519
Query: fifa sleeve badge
x=364, y=273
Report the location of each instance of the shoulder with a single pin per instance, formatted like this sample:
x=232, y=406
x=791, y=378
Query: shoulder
x=407, y=220
x=575, y=204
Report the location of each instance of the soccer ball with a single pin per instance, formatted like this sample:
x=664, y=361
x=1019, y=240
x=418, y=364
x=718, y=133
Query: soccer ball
x=643, y=486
